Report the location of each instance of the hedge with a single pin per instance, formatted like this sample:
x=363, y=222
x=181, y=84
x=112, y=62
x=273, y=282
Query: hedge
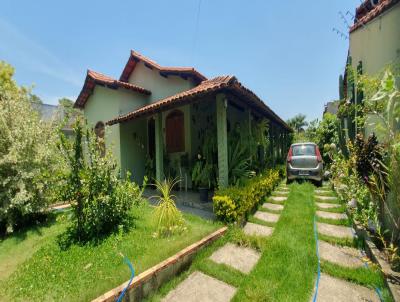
x=236, y=203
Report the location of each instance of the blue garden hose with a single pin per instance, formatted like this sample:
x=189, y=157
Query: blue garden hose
x=126, y=260
x=377, y=289
x=319, y=265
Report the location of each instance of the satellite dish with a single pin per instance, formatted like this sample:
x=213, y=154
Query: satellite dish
x=374, y=2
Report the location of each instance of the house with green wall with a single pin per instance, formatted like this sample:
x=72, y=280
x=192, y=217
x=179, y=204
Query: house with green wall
x=374, y=44
x=157, y=119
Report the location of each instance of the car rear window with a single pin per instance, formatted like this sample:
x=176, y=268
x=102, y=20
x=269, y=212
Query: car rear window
x=300, y=150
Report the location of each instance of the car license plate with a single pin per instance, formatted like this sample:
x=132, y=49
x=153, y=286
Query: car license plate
x=303, y=173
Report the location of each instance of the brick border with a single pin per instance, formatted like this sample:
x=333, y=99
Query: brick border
x=151, y=279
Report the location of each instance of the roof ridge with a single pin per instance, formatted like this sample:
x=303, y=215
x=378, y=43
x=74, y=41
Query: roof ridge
x=370, y=14
x=136, y=56
x=93, y=78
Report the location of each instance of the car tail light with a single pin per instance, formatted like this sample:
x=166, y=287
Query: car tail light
x=319, y=157
x=289, y=156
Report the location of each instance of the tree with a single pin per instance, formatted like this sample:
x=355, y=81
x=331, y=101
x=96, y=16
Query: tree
x=28, y=161
x=298, y=122
x=66, y=103
x=311, y=131
x=327, y=134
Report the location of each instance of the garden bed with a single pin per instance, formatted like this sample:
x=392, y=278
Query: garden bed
x=82, y=273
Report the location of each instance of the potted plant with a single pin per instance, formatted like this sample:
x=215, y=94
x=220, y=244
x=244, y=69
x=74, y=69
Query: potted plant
x=201, y=175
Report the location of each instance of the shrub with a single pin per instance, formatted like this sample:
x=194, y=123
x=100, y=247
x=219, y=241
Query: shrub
x=236, y=203
x=225, y=208
x=28, y=157
x=168, y=218
x=100, y=200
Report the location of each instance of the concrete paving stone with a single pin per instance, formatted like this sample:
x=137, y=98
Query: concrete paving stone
x=344, y=256
x=322, y=191
x=338, y=231
x=199, y=287
x=278, y=198
x=254, y=229
x=273, y=206
x=329, y=215
x=268, y=217
x=281, y=193
x=323, y=205
x=241, y=258
x=337, y=290
x=325, y=197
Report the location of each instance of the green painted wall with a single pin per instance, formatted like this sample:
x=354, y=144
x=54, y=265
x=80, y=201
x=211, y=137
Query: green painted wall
x=159, y=86
x=105, y=104
x=133, y=137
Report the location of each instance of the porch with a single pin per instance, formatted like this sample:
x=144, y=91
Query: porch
x=186, y=201
x=168, y=138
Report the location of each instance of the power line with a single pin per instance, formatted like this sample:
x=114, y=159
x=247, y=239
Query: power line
x=196, y=32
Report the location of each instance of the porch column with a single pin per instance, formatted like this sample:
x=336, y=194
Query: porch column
x=159, y=147
x=222, y=140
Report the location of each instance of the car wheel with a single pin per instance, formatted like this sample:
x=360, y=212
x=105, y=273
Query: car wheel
x=319, y=183
x=288, y=181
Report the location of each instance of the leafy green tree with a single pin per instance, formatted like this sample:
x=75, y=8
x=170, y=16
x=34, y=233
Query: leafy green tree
x=298, y=122
x=100, y=200
x=28, y=160
x=327, y=134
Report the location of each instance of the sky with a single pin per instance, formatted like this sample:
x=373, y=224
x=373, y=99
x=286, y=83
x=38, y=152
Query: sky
x=284, y=51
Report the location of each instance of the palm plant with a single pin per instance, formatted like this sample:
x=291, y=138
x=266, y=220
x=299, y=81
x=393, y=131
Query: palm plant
x=168, y=218
x=298, y=122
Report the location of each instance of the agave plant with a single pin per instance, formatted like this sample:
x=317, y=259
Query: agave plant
x=168, y=218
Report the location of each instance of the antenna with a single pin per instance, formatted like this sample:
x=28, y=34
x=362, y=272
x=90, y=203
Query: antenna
x=340, y=33
x=355, y=19
x=344, y=19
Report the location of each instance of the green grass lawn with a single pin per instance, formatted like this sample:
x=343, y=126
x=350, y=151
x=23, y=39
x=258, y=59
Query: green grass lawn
x=287, y=268
x=81, y=273
x=15, y=249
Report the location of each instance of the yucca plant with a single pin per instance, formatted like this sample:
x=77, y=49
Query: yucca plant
x=168, y=218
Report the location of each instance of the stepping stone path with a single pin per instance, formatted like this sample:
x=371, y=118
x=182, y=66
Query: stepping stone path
x=253, y=229
x=321, y=191
x=199, y=287
x=337, y=231
x=344, y=256
x=273, y=206
x=281, y=192
x=267, y=217
x=323, y=205
x=329, y=215
x=278, y=198
x=336, y=290
x=240, y=258
x=325, y=197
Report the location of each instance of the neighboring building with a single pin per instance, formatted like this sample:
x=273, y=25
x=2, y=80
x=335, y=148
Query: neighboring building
x=162, y=114
x=51, y=113
x=332, y=107
x=375, y=35
x=374, y=43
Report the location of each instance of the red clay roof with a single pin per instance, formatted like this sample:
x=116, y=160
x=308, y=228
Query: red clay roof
x=229, y=83
x=181, y=71
x=366, y=12
x=93, y=78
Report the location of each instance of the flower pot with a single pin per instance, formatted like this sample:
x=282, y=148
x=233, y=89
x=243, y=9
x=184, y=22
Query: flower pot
x=203, y=192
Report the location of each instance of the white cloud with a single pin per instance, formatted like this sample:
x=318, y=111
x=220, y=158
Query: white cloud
x=34, y=56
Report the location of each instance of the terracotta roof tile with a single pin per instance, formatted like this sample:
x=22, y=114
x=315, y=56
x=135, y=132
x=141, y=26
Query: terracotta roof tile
x=230, y=83
x=366, y=12
x=181, y=71
x=93, y=78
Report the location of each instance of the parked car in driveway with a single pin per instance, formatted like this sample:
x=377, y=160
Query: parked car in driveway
x=304, y=161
